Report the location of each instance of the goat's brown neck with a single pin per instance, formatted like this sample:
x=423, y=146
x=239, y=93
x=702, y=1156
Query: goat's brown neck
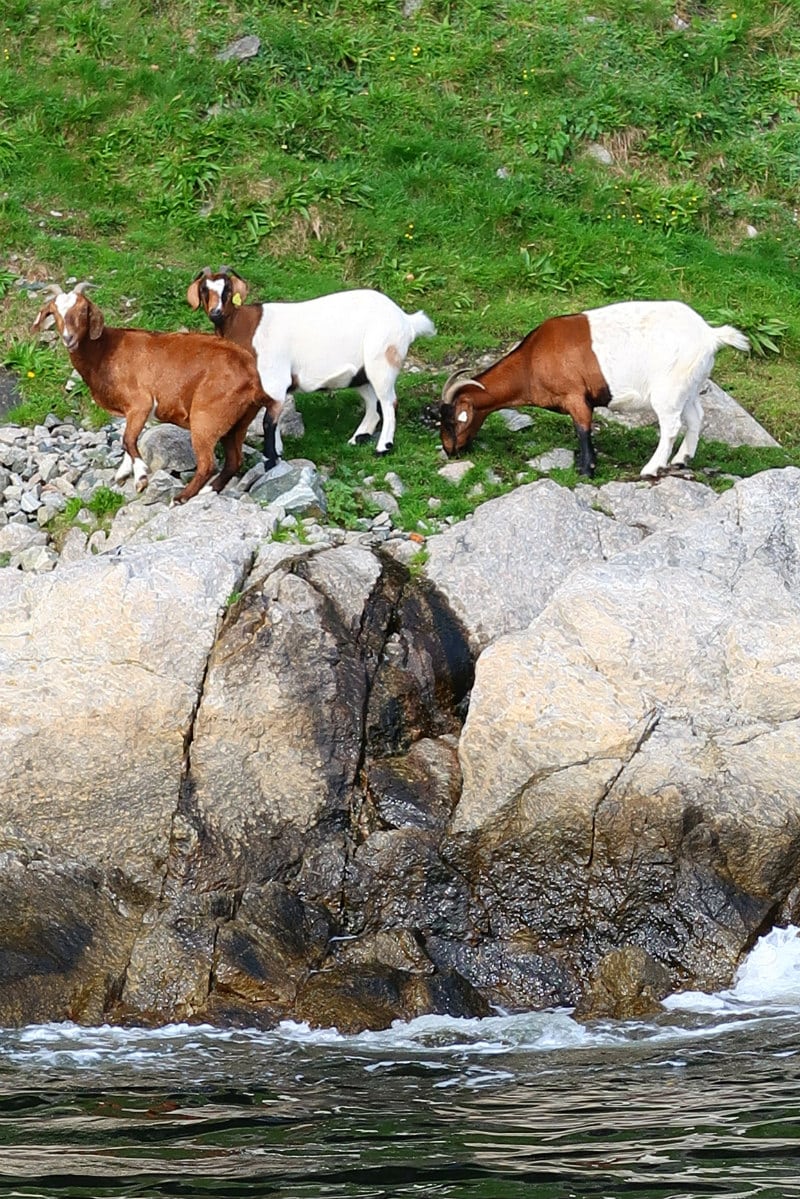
x=90, y=354
x=240, y=324
x=507, y=384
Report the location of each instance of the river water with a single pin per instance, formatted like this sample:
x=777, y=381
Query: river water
x=704, y=1100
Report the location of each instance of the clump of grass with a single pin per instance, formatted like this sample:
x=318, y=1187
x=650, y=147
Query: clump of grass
x=102, y=505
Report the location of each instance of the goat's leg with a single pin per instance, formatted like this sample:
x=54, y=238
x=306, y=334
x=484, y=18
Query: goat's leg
x=587, y=458
x=581, y=412
x=693, y=418
x=669, y=424
x=204, y=438
x=387, y=401
x=132, y=461
x=232, y=443
x=272, y=442
x=370, y=419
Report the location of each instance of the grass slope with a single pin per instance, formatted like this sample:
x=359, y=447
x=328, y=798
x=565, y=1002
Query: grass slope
x=443, y=156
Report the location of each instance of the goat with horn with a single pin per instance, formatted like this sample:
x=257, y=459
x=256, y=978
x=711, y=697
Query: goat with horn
x=658, y=352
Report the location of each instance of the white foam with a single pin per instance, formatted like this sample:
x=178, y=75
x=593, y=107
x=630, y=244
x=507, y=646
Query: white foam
x=768, y=978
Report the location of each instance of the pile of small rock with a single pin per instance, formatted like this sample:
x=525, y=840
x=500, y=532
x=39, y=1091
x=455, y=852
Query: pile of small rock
x=45, y=468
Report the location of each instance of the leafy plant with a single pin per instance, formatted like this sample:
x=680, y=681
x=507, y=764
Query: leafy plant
x=104, y=502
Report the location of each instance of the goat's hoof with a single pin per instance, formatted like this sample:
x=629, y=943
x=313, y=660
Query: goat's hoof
x=387, y=449
x=142, y=484
x=360, y=438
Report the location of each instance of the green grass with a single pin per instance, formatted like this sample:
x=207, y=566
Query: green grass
x=440, y=157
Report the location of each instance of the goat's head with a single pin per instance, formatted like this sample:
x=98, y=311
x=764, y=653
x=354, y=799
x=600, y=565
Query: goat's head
x=457, y=414
x=219, y=292
x=75, y=316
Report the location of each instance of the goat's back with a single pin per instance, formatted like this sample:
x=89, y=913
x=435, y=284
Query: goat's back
x=343, y=325
x=175, y=362
x=642, y=344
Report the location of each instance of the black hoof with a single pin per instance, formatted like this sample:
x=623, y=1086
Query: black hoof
x=388, y=449
x=363, y=438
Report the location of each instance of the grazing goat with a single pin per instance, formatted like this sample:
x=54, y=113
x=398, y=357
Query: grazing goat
x=353, y=339
x=659, y=351
x=188, y=379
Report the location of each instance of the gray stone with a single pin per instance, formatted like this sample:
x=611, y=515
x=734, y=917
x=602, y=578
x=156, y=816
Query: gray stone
x=294, y=489
x=454, y=472
x=252, y=476
x=36, y=558
x=383, y=500
x=167, y=448
x=600, y=154
x=243, y=47
x=73, y=547
x=29, y=500
x=16, y=537
x=162, y=487
x=10, y=395
x=498, y=569
x=649, y=506
x=553, y=460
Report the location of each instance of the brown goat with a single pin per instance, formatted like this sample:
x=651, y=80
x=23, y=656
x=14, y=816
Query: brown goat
x=194, y=380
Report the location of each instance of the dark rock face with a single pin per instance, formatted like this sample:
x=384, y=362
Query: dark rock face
x=321, y=772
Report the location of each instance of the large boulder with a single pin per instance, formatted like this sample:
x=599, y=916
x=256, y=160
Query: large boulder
x=499, y=568
x=628, y=759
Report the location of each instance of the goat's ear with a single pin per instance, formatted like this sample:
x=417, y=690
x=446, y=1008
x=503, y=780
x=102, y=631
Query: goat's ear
x=238, y=286
x=193, y=294
x=96, y=322
x=47, y=310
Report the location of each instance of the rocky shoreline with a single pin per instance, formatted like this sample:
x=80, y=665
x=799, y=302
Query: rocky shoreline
x=246, y=779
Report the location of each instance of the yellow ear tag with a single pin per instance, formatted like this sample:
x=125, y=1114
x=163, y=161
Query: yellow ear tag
x=237, y=299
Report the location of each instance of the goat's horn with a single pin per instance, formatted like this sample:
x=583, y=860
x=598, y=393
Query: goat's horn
x=53, y=289
x=455, y=383
x=81, y=287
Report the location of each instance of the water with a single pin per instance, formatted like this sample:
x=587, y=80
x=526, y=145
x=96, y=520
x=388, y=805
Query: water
x=703, y=1101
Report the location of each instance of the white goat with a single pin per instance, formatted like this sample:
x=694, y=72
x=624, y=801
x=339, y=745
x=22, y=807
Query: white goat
x=355, y=339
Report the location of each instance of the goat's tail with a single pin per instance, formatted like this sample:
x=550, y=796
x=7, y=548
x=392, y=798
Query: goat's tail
x=726, y=335
x=422, y=324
